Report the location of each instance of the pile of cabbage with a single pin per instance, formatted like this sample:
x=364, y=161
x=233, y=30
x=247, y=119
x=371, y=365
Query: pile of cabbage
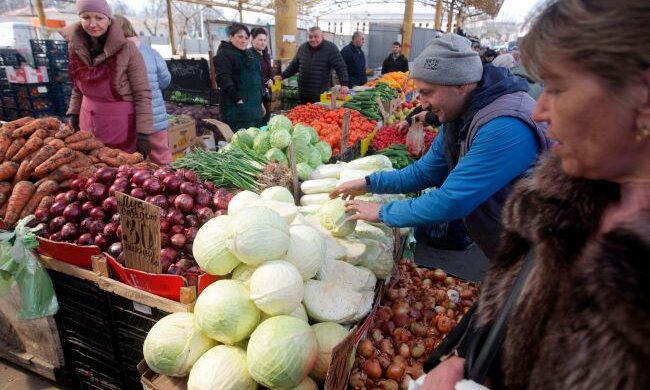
x=292, y=285
x=310, y=151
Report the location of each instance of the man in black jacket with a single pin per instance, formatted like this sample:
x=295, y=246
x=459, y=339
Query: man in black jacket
x=395, y=62
x=355, y=60
x=314, y=62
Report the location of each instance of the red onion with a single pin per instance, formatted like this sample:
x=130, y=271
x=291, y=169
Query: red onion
x=60, y=198
x=82, y=196
x=191, y=221
x=121, y=259
x=97, y=227
x=105, y=175
x=202, y=198
x=118, y=233
x=164, y=239
x=87, y=207
x=97, y=192
x=140, y=176
x=162, y=173
x=57, y=208
x=110, y=205
x=184, y=203
x=69, y=231
x=71, y=196
x=176, y=229
x=126, y=169
x=86, y=239
x=168, y=255
x=152, y=186
x=57, y=223
x=42, y=215
x=189, y=188
x=160, y=201
x=190, y=176
x=204, y=214
x=85, y=225
x=164, y=225
x=175, y=217
x=172, y=184
x=178, y=241
x=110, y=230
x=78, y=184
x=115, y=249
x=55, y=236
x=115, y=218
x=138, y=193
x=190, y=233
x=101, y=241
x=72, y=213
x=220, y=199
x=97, y=213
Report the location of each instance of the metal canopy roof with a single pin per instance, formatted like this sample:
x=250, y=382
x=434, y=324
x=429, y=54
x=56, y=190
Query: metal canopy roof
x=316, y=8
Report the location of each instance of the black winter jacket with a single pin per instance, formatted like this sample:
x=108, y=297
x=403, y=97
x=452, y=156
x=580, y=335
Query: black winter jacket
x=315, y=66
x=401, y=64
x=228, y=70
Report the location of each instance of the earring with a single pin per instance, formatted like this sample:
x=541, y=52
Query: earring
x=642, y=134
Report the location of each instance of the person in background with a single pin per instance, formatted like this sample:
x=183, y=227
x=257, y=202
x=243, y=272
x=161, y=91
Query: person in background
x=355, y=60
x=314, y=62
x=111, y=95
x=504, y=61
x=488, y=140
x=489, y=55
x=581, y=320
x=516, y=54
x=260, y=49
x=239, y=81
x=155, y=146
x=396, y=61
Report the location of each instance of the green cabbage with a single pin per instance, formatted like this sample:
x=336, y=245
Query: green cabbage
x=243, y=273
x=173, y=345
x=275, y=154
x=279, y=122
x=325, y=151
x=210, y=250
x=328, y=335
x=276, y=287
x=333, y=217
x=241, y=200
x=306, y=250
x=314, y=135
x=280, y=139
x=281, y=352
x=225, y=312
x=279, y=193
x=232, y=372
x=259, y=234
x=299, y=313
x=303, y=152
x=314, y=158
x=243, y=139
x=304, y=170
x=262, y=142
x=301, y=135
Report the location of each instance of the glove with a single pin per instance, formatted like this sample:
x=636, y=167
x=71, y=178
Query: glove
x=73, y=121
x=144, y=145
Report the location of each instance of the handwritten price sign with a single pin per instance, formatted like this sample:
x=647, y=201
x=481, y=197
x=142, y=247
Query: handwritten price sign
x=140, y=233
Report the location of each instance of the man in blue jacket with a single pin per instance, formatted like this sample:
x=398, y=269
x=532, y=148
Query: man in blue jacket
x=488, y=140
x=355, y=60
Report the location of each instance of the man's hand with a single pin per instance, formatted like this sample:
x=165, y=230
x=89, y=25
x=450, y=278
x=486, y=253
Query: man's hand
x=144, y=144
x=402, y=126
x=350, y=189
x=445, y=375
x=367, y=211
x=344, y=90
x=74, y=122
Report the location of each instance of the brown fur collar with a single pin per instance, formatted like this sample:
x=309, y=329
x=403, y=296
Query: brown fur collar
x=582, y=321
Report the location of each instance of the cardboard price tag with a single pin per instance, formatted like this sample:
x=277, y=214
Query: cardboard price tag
x=141, y=233
x=335, y=95
x=345, y=131
x=382, y=109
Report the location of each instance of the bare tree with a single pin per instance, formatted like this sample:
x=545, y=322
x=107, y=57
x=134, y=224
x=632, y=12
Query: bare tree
x=121, y=7
x=153, y=12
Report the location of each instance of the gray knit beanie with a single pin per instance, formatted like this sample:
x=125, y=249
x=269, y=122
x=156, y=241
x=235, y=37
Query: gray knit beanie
x=448, y=59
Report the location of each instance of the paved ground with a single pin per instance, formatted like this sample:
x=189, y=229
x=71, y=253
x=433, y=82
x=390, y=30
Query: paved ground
x=17, y=378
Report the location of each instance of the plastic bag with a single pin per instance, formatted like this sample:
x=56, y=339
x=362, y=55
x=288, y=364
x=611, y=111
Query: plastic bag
x=415, y=139
x=18, y=262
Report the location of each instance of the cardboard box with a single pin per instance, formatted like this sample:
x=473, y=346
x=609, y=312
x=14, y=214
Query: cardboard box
x=181, y=136
x=27, y=75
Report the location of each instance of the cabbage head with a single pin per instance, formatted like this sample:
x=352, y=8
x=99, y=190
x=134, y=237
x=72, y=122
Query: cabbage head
x=314, y=135
x=328, y=335
x=279, y=122
x=276, y=287
x=240, y=201
x=278, y=193
x=280, y=139
x=374, y=163
x=262, y=143
x=325, y=151
x=301, y=135
x=243, y=273
x=304, y=170
x=281, y=352
x=306, y=250
x=300, y=313
x=275, y=154
x=314, y=159
x=210, y=250
x=243, y=139
x=225, y=312
x=173, y=345
x=259, y=234
x=303, y=151
x=222, y=367
x=333, y=217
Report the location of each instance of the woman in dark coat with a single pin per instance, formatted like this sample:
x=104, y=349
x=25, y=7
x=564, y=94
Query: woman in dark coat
x=261, y=50
x=238, y=80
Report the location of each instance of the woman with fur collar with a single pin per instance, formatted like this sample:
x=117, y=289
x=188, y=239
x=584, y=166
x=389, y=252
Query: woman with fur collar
x=582, y=320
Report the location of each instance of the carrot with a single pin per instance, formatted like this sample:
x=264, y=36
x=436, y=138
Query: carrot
x=40, y=133
x=13, y=125
x=79, y=136
x=46, y=202
x=8, y=169
x=15, y=146
x=134, y=158
x=80, y=156
x=27, y=129
x=47, y=140
x=50, y=123
x=23, y=173
x=66, y=131
x=23, y=191
x=61, y=173
x=57, y=143
x=52, y=132
x=5, y=191
x=62, y=156
x=5, y=142
x=113, y=161
x=31, y=146
x=46, y=188
x=94, y=159
x=86, y=144
x=46, y=152
x=3, y=209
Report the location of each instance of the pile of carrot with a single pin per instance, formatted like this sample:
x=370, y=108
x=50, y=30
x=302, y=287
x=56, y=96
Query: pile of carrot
x=39, y=157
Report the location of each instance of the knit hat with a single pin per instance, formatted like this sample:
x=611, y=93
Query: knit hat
x=448, y=59
x=100, y=6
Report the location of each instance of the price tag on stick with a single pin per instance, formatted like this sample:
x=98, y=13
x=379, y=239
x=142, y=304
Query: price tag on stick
x=140, y=223
x=335, y=95
x=345, y=131
x=382, y=109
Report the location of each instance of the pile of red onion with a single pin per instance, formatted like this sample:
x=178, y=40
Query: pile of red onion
x=87, y=213
x=414, y=316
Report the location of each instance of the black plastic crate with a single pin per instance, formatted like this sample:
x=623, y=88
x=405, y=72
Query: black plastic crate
x=41, y=60
x=100, y=366
x=87, y=328
x=83, y=296
x=59, y=76
x=49, y=47
x=60, y=64
x=11, y=59
x=130, y=347
x=95, y=381
x=127, y=315
x=32, y=91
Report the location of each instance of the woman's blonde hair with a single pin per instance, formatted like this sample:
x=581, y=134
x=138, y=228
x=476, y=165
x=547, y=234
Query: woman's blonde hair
x=609, y=38
x=127, y=27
